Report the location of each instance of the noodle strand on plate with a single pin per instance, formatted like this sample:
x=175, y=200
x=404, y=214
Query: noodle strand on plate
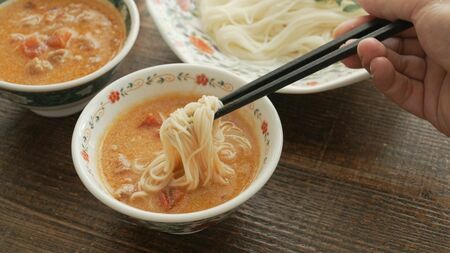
x=265, y=30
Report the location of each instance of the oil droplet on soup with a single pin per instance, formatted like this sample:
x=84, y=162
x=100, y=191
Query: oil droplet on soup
x=133, y=140
x=52, y=41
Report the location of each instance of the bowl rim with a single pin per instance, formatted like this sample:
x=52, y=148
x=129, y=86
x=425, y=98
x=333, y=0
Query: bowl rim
x=107, y=199
x=129, y=42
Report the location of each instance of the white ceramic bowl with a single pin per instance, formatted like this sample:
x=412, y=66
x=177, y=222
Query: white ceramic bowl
x=151, y=83
x=63, y=99
x=179, y=25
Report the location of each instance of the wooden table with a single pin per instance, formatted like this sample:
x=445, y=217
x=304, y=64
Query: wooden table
x=357, y=174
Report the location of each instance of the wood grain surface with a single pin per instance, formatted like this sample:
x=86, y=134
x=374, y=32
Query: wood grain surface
x=357, y=174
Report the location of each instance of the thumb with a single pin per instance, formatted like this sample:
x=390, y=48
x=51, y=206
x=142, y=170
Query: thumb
x=394, y=9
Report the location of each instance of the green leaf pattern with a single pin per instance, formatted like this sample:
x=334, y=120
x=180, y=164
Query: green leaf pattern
x=346, y=5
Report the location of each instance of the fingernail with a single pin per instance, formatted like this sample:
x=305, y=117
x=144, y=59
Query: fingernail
x=371, y=69
x=372, y=76
x=347, y=22
x=348, y=42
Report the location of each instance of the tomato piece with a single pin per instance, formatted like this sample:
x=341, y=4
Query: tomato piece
x=169, y=197
x=177, y=195
x=33, y=46
x=59, y=39
x=164, y=200
x=151, y=121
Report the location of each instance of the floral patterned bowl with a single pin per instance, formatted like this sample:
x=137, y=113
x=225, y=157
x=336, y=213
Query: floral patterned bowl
x=179, y=25
x=63, y=99
x=153, y=82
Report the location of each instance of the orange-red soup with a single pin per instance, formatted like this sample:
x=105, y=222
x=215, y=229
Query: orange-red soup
x=53, y=41
x=134, y=136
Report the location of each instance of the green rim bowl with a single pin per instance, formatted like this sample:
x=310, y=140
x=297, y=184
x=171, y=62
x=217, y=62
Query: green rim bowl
x=67, y=98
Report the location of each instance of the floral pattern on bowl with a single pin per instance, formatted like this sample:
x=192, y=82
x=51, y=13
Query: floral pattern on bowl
x=154, y=82
x=180, y=27
x=201, y=79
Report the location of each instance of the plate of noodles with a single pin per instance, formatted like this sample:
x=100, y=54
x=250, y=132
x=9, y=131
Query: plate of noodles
x=251, y=37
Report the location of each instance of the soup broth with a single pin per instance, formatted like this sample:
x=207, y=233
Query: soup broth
x=134, y=139
x=52, y=41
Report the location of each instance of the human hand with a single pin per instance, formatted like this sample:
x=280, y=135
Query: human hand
x=412, y=69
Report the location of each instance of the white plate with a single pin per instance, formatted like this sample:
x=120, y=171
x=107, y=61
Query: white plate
x=180, y=27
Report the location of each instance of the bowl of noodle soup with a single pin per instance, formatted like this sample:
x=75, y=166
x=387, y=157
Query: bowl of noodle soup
x=251, y=38
x=167, y=86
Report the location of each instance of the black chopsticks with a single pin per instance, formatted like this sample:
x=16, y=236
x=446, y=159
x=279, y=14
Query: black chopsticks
x=309, y=63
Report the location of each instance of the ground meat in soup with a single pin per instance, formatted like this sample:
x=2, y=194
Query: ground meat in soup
x=133, y=141
x=53, y=41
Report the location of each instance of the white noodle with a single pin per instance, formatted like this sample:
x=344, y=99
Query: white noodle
x=271, y=29
x=193, y=146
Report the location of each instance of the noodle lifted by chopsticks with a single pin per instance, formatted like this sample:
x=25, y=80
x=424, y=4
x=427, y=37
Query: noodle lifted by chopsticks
x=194, y=146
